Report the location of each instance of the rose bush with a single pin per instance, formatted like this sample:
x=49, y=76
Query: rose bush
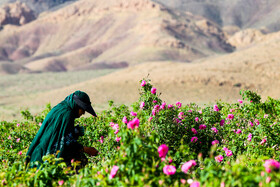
x=154, y=143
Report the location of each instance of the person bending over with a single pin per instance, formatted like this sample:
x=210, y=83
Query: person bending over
x=58, y=135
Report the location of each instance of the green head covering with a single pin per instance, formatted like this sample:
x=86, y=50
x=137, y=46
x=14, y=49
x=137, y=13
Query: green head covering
x=57, y=130
x=83, y=101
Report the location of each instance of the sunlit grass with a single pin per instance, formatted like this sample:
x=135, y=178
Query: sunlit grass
x=23, y=84
x=13, y=86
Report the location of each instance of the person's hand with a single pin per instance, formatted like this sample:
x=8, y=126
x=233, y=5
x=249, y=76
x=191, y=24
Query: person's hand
x=90, y=151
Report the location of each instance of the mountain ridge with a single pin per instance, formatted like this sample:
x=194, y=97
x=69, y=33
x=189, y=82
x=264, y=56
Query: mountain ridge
x=242, y=13
x=115, y=32
x=39, y=6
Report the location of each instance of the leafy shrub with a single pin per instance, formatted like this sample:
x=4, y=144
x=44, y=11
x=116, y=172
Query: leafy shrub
x=222, y=145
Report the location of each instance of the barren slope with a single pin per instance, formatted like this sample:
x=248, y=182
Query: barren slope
x=16, y=14
x=222, y=77
x=38, y=5
x=242, y=13
x=92, y=34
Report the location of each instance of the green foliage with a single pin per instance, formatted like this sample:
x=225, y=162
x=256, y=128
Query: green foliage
x=251, y=96
x=248, y=130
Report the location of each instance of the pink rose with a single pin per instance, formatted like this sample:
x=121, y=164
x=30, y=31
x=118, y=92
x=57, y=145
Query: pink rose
x=195, y=184
x=194, y=139
x=154, y=111
x=219, y=158
x=263, y=141
x=238, y=131
x=143, y=83
x=114, y=172
x=101, y=139
x=156, y=107
x=179, y=104
x=163, y=105
x=240, y=101
x=194, y=131
x=115, y=126
x=230, y=116
x=183, y=181
x=251, y=123
x=257, y=122
x=162, y=150
x=118, y=139
x=201, y=127
x=133, y=113
x=153, y=90
x=249, y=137
x=187, y=166
x=124, y=120
x=215, y=108
x=169, y=170
x=170, y=160
x=268, y=179
x=271, y=164
x=181, y=115
x=142, y=105
x=133, y=124
x=196, y=119
x=60, y=183
x=215, y=142
x=228, y=152
x=214, y=129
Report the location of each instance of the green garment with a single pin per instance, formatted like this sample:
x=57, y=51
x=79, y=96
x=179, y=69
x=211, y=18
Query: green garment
x=57, y=132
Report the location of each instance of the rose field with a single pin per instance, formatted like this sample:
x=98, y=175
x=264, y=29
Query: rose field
x=153, y=143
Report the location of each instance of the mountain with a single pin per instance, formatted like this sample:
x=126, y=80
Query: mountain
x=90, y=34
x=203, y=81
x=261, y=14
x=38, y=6
x=16, y=14
x=188, y=57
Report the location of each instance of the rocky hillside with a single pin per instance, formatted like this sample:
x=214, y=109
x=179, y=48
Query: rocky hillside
x=16, y=14
x=242, y=13
x=203, y=81
x=38, y=6
x=91, y=34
